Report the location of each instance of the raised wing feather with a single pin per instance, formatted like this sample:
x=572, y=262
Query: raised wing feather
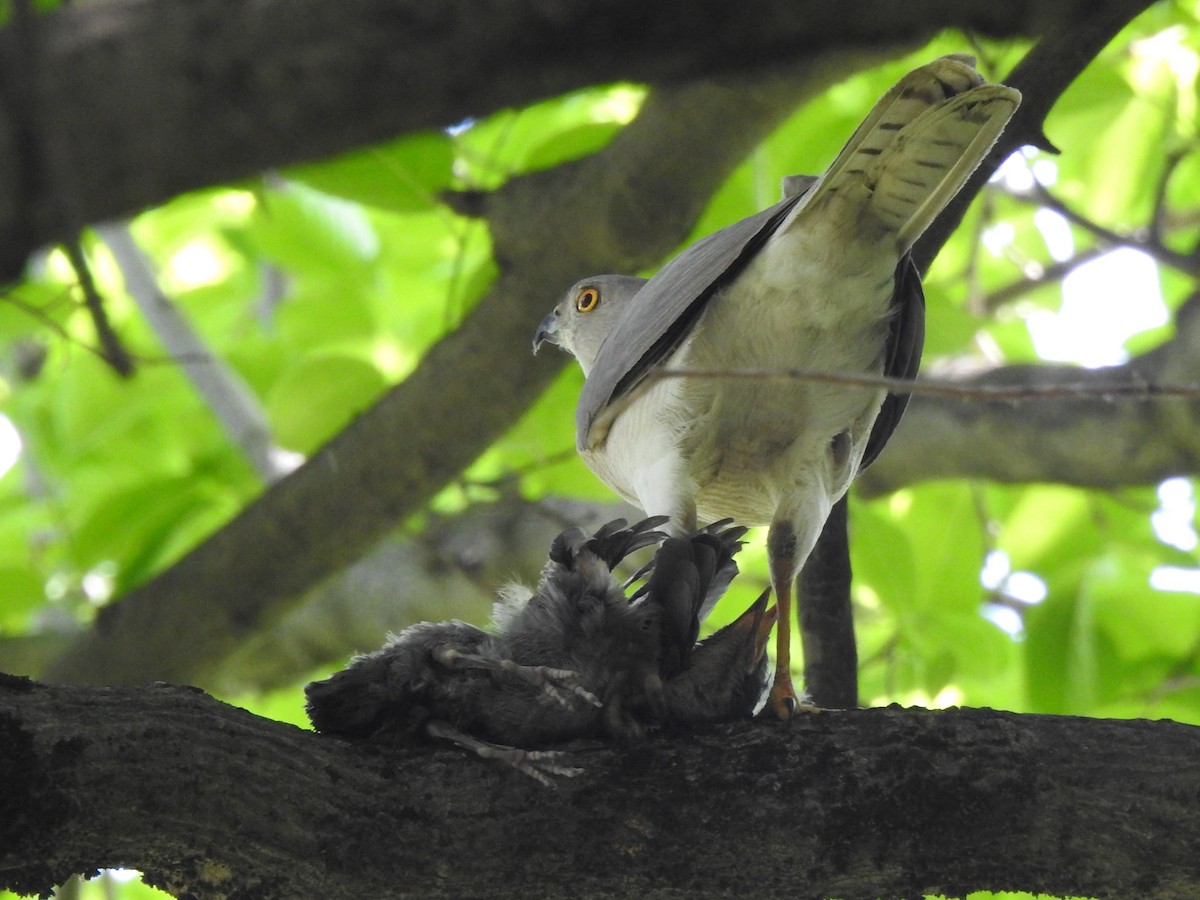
x=952, y=140
x=917, y=147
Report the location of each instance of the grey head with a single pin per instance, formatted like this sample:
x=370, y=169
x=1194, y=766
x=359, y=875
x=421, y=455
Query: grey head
x=582, y=319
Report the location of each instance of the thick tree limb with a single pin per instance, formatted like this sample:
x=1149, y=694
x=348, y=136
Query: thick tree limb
x=211, y=801
x=141, y=100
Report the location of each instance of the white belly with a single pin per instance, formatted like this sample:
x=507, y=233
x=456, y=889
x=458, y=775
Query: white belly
x=737, y=447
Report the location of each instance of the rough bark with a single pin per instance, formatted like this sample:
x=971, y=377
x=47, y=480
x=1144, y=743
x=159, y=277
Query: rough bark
x=827, y=617
x=210, y=801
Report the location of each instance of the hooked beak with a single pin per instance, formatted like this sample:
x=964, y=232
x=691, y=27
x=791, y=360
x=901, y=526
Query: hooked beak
x=546, y=332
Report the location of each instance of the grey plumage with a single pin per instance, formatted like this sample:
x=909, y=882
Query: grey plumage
x=821, y=281
x=576, y=658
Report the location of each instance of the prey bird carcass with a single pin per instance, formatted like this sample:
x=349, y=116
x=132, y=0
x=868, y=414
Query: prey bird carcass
x=576, y=658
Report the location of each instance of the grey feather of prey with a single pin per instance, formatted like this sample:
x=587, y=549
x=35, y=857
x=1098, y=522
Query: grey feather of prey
x=578, y=657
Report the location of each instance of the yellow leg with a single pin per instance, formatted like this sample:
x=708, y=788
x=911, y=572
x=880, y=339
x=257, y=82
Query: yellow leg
x=781, y=551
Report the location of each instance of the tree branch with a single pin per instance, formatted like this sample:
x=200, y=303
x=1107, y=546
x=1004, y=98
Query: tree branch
x=1046, y=274
x=827, y=617
x=223, y=389
x=109, y=346
x=1094, y=439
x=1142, y=239
x=151, y=83
x=208, y=800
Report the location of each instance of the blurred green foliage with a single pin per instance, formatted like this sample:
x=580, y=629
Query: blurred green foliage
x=323, y=285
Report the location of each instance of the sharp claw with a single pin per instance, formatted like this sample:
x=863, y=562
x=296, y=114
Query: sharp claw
x=785, y=706
x=537, y=764
x=782, y=702
x=779, y=709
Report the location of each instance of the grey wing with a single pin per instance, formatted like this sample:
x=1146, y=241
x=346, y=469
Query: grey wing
x=906, y=339
x=662, y=314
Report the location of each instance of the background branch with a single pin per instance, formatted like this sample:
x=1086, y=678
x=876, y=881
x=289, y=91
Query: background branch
x=113, y=74
x=1097, y=439
x=1051, y=274
x=1143, y=239
x=226, y=393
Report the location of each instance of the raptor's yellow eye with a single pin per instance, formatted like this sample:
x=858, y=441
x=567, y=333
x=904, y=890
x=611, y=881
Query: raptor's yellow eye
x=587, y=300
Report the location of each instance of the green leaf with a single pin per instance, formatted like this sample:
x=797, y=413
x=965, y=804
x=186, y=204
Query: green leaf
x=541, y=446
x=1142, y=623
x=318, y=396
x=882, y=553
x=544, y=134
x=22, y=591
x=1060, y=655
x=570, y=143
x=28, y=308
x=949, y=328
x=285, y=705
x=949, y=557
x=404, y=175
x=309, y=323
x=1045, y=519
x=313, y=234
x=148, y=525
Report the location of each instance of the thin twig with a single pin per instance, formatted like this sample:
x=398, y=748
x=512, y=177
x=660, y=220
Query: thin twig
x=58, y=181
x=941, y=388
x=111, y=350
x=1050, y=274
x=44, y=319
x=1158, y=219
x=1139, y=239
